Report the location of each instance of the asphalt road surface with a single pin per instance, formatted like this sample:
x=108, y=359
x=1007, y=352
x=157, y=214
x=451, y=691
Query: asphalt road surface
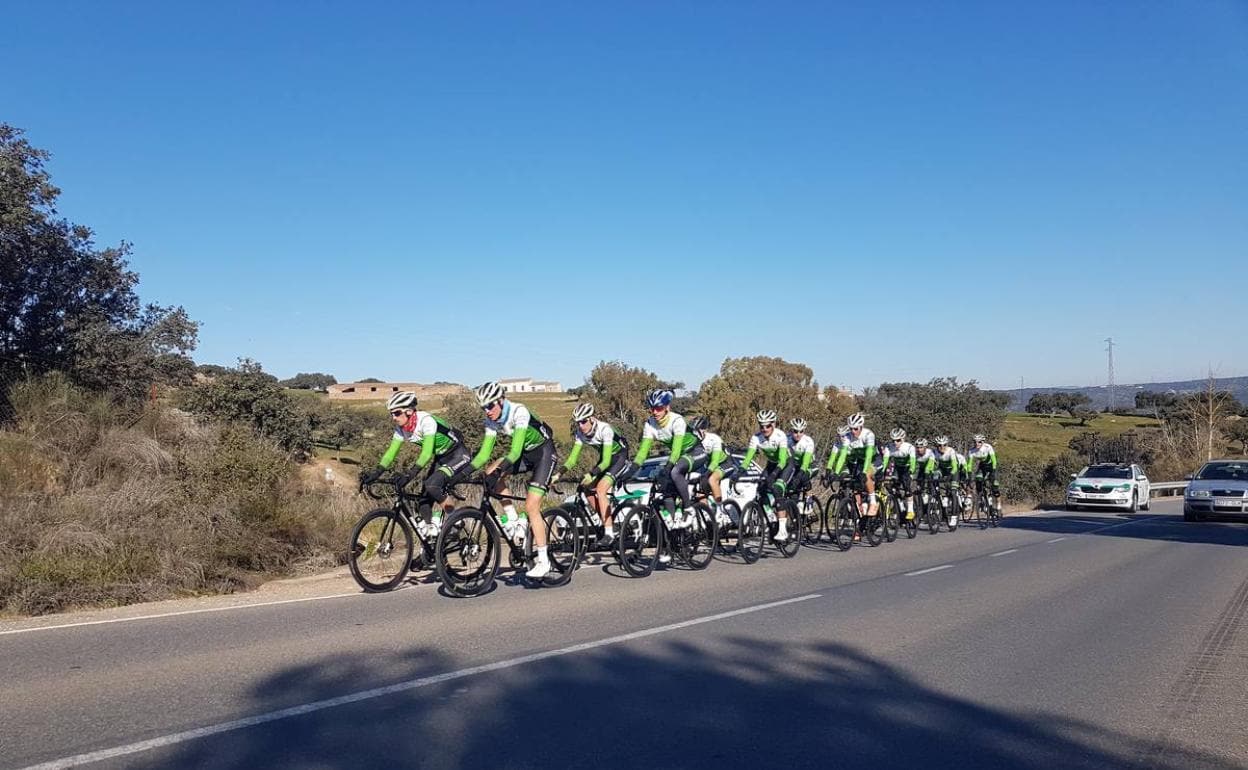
x=1058, y=641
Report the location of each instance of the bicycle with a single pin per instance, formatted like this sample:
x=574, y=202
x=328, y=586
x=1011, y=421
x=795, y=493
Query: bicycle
x=383, y=541
x=893, y=506
x=810, y=510
x=590, y=527
x=929, y=505
x=764, y=507
x=644, y=534
x=469, y=553
x=848, y=517
x=985, y=507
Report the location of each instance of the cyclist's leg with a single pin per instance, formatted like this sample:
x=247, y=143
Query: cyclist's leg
x=873, y=504
x=617, y=472
x=541, y=460
x=905, y=488
x=449, y=470
x=693, y=461
x=780, y=488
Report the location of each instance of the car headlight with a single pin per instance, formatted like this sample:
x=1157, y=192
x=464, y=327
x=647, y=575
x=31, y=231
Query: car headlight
x=1199, y=493
x=1124, y=487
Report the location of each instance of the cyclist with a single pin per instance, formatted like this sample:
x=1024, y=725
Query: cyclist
x=437, y=441
x=720, y=462
x=685, y=456
x=532, y=449
x=949, y=467
x=903, y=459
x=983, y=459
x=613, y=465
x=802, y=446
x=856, y=454
x=778, y=474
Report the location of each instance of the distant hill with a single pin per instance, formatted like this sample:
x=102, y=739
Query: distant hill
x=1124, y=395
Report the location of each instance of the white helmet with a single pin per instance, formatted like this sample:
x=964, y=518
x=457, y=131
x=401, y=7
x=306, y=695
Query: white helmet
x=942, y=441
x=898, y=434
x=798, y=425
x=766, y=416
x=404, y=399
x=489, y=393
x=921, y=443
x=842, y=430
x=583, y=412
x=979, y=437
x=856, y=420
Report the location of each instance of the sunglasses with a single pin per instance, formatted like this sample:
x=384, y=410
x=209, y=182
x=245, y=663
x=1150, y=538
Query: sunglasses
x=397, y=413
x=586, y=421
x=768, y=425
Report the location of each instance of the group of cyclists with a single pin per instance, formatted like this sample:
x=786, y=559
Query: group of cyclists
x=691, y=449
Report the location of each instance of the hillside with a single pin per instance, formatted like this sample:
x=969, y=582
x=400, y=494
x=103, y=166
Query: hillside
x=1041, y=438
x=1124, y=395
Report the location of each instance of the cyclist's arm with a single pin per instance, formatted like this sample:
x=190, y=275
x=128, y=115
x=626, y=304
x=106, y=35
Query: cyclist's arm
x=392, y=452
x=784, y=456
x=841, y=458
x=750, y=451
x=429, y=427
x=574, y=454
x=678, y=442
x=807, y=457
x=608, y=449
x=643, y=450
x=870, y=455
x=487, y=448
x=992, y=458
x=717, y=457
x=888, y=458
x=914, y=461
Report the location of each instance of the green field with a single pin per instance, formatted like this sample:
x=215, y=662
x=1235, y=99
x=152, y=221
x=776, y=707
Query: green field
x=1040, y=437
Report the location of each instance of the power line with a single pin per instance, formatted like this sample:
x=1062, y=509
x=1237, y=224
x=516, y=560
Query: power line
x=1109, y=396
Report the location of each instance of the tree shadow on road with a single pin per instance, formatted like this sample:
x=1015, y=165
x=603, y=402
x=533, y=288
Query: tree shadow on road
x=1151, y=526
x=662, y=702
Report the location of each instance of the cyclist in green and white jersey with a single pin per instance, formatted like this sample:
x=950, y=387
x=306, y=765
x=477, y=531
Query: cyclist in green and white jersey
x=778, y=474
x=925, y=460
x=857, y=455
x=532, y=449
x=685, y=454
x=613, y=465
x=720, y=462
x=948, y=466
x=438, y=442
x=902, y=458
x=983, y=458
x=802, y=447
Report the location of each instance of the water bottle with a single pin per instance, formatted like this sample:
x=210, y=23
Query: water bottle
x=520, y=529
x=595, y=518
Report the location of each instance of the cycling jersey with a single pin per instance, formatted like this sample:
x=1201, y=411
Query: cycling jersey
x=714, y=446
x=775, y=448
x=901, y=455
x=671, y=433
x=526, y=430
x=984, y=454
x=858, y=451
x=926, y=461
x=948, y=463
x=601, y=435
x=442, y=439
x=804, y=450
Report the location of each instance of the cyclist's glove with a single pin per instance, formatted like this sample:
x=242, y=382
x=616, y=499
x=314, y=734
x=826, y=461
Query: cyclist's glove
x=368, y=477
x=587, y=480
x=403, y=479
x=492, y=478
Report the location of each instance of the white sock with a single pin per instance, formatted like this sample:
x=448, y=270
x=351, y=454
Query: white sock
x=540, y=553
x=609, y=530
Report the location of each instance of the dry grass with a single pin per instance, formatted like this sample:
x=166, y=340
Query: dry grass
x=1042, y=438
x=100, y=506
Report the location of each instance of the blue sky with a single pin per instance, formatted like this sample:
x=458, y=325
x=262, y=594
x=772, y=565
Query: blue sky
x=884, y=191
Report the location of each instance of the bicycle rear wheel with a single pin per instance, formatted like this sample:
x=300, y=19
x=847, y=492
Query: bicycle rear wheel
x=813, y=525
x=563, y=545
x=752, y=533
x=727, y=533
x=381, y=550
x=844, y=524
x=911, y=524
x=790, y=545
x=467, y=554
x=932, y=515
x=697, y=541
x=872, y=528
x=888, y=511
x=640, y=540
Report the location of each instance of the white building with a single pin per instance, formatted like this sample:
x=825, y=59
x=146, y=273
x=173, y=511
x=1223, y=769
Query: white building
x=530, y=385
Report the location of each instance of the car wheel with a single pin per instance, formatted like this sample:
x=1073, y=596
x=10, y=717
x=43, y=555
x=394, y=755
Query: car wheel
x=1148, y=504
x=1071, y=507
x=1135, y=503
x=1189, y=514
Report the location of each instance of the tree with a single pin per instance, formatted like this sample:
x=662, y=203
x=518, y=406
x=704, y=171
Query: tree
x=732, y=398
x=249, y=395
x=1040, y=403
x=65, y=305
x=618, y=393
x=942, y=406
x=1082, y=413
x=1237, y=430
x=370, y=379
x=313, y=381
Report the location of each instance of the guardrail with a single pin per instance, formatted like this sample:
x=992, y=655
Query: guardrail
x=1166, y=488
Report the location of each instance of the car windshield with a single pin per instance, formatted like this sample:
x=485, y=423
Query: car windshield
x=1224, y=472
x=1105, y=472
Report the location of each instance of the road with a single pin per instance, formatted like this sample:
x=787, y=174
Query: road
x=1058, y=641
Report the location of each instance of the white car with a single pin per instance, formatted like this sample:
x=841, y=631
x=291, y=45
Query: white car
x=1108, y=485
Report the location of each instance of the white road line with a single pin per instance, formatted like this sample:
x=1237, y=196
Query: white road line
x=929, y=569
x=1003, y=553
x=176, y=614
x=412, y=684
x=1055, y=540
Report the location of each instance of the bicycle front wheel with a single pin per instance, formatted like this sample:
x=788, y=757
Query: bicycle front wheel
x=697, y=547
x=381, y=550
x=844, y=524
x=468, y=552
x=563, y=545
x=813, y=525
x=891, y=524
x=640, y=540
x=752, y=533
x=789, y=546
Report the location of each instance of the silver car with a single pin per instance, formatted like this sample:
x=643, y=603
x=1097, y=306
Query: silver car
x=1120, y=486
x=1219, y=488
